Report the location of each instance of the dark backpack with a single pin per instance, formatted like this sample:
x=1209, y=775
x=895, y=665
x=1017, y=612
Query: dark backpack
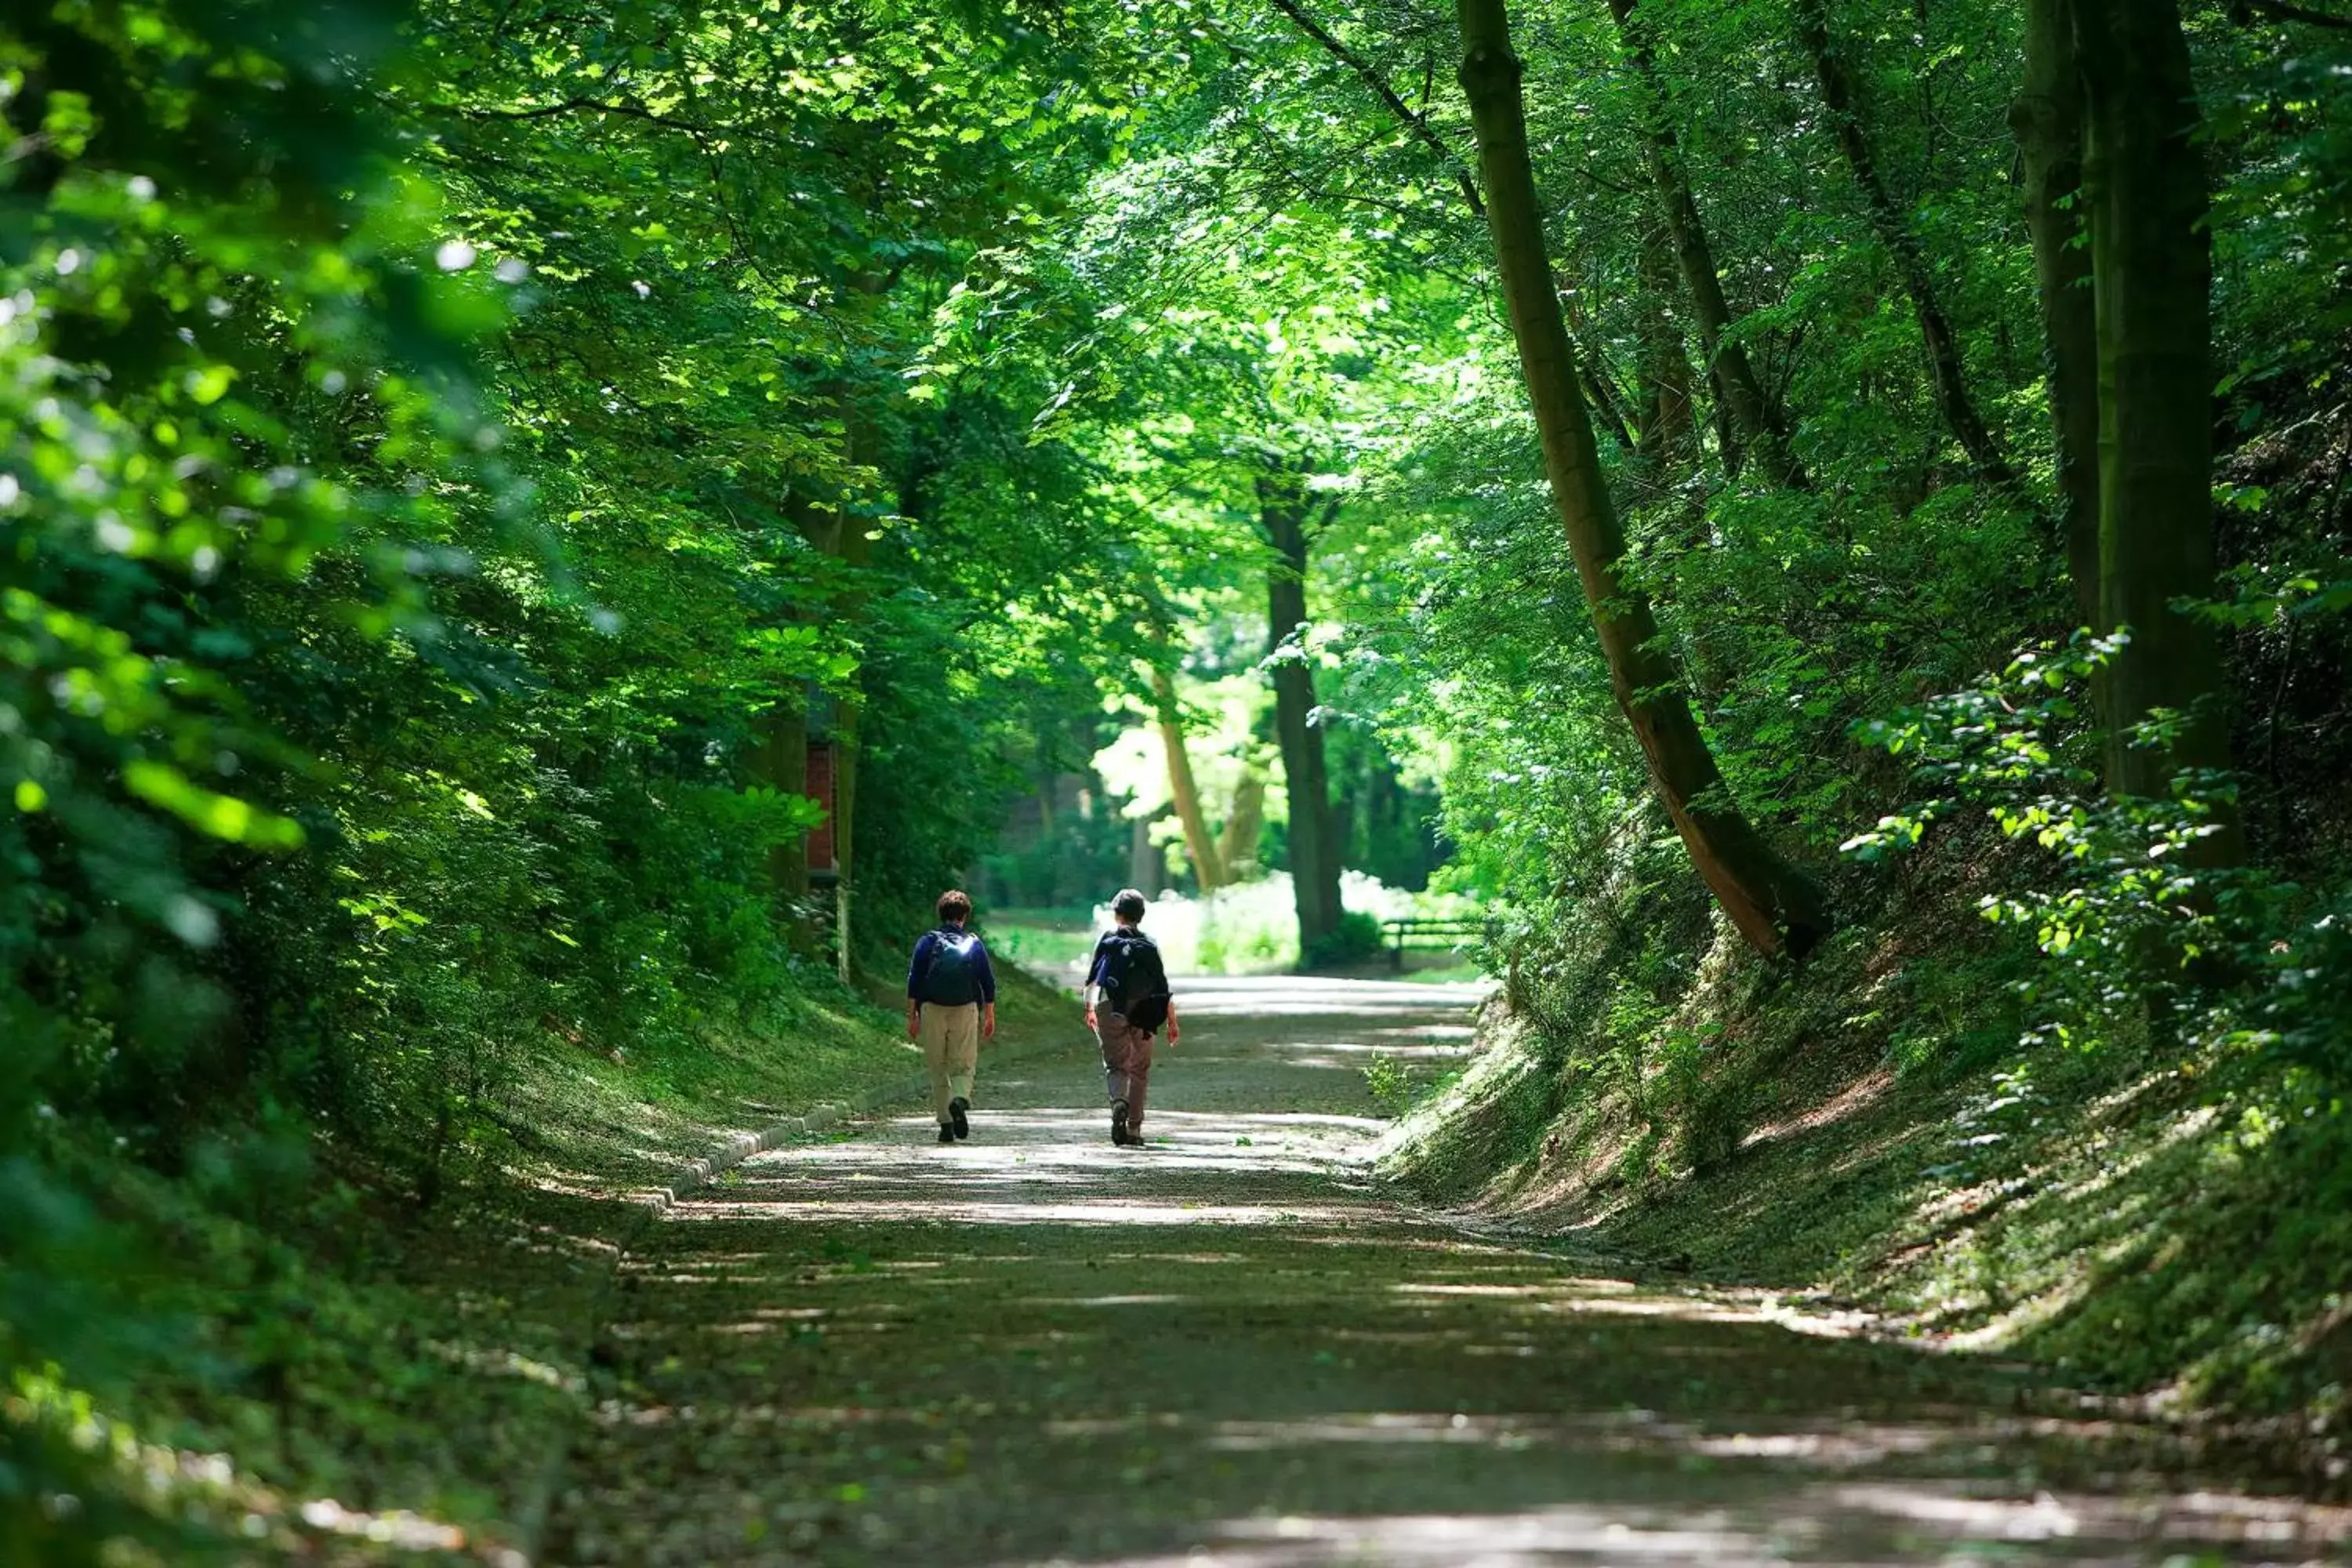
x=951, y=978
x=1134, y=981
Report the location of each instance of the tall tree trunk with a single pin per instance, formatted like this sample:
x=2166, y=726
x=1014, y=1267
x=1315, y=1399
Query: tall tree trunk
x=844, y=822
x=2047, y=121
x=781, y=761
x=1144, y=867
x=1198, y=845
x=1948, y=373
x=1049, y=863
x=844, y=540
x=1238, y=847
x=782, y=765
x=1314, y=855
x=2151, y=260
x=1667, y=425
x=1735, y=376
x=1774, y=905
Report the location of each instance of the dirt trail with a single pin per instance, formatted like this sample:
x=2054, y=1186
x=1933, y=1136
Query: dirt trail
x=1228, y=1348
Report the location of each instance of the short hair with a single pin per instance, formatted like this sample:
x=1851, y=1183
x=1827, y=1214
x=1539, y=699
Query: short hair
x=1128, y=906
x=955, y=908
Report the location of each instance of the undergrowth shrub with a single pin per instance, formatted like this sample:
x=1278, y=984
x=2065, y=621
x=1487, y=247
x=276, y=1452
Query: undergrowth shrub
x=1357, y=938
x=2139, y=937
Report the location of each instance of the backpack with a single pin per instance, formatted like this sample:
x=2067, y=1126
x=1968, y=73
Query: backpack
x=1134, y=981
x=951, y=980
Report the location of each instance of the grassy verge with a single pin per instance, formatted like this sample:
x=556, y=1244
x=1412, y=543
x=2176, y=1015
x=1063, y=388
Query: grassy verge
x=328, y=1370
x=1045, y=942
x=643, y=1113
x=1867, y=1133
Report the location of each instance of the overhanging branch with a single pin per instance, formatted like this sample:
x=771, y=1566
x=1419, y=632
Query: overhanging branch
x=1416, y=123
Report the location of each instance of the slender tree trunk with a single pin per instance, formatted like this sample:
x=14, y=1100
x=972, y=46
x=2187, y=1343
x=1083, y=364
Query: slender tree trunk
x=782, y=765
x=1948, y=373
x=2047, y=120
x=1774, y=905
x=845, y=822
x=2151, y=260
x=1607, y=403
x=782, y=759
x=1049, y=891
x=1144, y=869
x=1313, y=857
x=1181, y=789
x=1736, y=380
x=1668, y=426
x=846, y=542
x=1238, y=847
x=1612, y=414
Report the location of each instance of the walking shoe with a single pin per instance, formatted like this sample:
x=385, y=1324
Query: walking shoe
x=947, y=1133
x=1118, y=1123
x=956, y=1108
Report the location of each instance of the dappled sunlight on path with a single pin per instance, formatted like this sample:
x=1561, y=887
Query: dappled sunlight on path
x=1227, y=1349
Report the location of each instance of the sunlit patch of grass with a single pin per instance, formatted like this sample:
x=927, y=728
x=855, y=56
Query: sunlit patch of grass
x=1045, y=941
x=154, y=1502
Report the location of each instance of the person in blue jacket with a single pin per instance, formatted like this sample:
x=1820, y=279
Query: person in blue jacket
x=950, y=1008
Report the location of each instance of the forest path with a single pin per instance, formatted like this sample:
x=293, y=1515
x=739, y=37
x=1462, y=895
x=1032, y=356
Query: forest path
x=1228, y=1348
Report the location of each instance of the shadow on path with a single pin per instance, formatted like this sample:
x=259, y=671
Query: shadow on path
x=1228, y=1348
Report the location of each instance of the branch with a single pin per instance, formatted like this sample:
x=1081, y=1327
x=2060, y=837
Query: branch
x=576, y=105
x=1331, y=504
x=1399, y=208
x=1418, y=124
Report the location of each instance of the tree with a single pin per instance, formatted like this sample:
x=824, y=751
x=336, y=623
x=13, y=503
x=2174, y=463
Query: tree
x=1668, y=438
x=2151, y=266
x=1774, y=905
x=2047, y=121
x=1759, y=419
x=1208, y=870
x=1942, y=341
x=1237, y=846
x=1284, y=509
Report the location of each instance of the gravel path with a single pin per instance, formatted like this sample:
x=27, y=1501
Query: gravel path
x=1228, y=1348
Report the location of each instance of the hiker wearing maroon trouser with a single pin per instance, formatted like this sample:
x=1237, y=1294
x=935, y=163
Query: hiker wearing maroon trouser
x=1132, y=984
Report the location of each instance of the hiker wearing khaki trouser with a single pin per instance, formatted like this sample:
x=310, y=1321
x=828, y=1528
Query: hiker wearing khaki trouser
x=1131, y=983
x=950, y=1008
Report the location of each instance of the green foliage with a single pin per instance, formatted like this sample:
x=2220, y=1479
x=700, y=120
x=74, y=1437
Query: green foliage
x=1357, y=938
x=452, y=459
x=2129, y=920
x=1391, y=1085
x=438, y=449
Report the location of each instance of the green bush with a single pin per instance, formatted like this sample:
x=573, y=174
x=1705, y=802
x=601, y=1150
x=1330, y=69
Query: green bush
x=1357, y=938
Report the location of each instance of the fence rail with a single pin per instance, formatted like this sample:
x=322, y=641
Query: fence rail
x=1425, y=933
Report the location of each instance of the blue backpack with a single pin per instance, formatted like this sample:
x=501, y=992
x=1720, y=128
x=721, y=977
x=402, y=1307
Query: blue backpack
x=952, y=979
